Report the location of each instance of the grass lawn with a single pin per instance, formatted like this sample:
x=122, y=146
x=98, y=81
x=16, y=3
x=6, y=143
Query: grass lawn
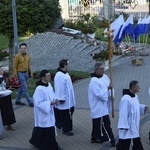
x=75, y=75
x=4, y=42
x=142, y=38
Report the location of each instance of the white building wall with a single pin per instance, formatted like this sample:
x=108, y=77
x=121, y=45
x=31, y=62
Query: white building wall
x=64, y=6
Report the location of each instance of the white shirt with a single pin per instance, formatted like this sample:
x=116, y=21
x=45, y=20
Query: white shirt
x=129, y=117
x=99, y=96
x=43, y=110
x=64, y=88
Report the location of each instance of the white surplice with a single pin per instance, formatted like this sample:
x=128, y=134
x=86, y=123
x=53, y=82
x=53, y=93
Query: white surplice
x=99, y=96
x=43, y=110
x=64, y=88
x=129, y=117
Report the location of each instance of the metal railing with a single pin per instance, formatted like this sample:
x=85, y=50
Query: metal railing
x=95, y=7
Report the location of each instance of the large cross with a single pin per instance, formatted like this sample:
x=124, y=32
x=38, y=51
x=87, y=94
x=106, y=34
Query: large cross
x=109, y=34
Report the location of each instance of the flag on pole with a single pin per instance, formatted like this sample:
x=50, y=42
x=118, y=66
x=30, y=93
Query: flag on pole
x=127, y=28
x=142, y=27
x=146, y=26
x=116, y=26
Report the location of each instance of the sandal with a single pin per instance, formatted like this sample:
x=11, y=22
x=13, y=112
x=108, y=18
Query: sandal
x=9, y=127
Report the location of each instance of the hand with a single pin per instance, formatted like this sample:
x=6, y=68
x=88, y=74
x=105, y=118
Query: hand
x=54, y=102
x=146, y=109
x=112, y=98
x=10, y=88
x=110, y=86
x=30, y=75
x=62, y=101
x=16, y=76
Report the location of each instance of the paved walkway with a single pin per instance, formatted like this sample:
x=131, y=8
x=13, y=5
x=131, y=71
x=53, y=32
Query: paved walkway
x=123, y=72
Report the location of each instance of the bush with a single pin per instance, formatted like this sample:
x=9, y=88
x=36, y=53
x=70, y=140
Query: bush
x=3, y=54
x=86, y=23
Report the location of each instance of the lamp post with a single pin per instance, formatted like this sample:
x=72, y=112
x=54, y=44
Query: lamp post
x=15, y=26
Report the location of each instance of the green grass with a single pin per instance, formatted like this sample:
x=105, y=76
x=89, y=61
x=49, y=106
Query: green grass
x=32, y=81
x=100, y=36
x=4, y=41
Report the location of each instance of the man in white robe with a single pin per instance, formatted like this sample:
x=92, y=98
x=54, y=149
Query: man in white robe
x=64, y=91
x=43, y=135
x=99, y=100
x=129, y=119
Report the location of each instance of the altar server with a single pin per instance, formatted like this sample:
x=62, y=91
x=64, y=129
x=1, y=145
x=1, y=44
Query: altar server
x=129, y=119
x=65, y=92
x=99, y=100
x=43, y=136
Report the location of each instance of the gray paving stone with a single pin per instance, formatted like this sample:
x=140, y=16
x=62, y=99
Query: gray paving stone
x=123, y=71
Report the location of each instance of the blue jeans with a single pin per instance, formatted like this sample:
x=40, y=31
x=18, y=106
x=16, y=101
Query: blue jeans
x=23, y=77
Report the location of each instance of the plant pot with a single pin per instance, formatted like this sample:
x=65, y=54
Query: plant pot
x=91, y=35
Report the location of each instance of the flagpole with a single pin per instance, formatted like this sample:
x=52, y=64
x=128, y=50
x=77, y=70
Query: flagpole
x=139, y=41
x=128, y=38
x=145, y=41
x=110, y=52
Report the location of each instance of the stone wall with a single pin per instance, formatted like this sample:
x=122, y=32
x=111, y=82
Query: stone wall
x=47, y=49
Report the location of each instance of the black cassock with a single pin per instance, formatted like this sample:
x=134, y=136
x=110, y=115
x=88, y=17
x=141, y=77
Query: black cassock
x=7, y=111
x=127, y=144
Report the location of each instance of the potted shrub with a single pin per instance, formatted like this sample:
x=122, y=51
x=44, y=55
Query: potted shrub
x=102, y=55
x=118, y=52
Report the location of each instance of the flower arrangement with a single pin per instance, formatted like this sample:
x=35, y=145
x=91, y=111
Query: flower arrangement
x=86, y=24
x=118, y=52
x=88, y=28
x=102, y=55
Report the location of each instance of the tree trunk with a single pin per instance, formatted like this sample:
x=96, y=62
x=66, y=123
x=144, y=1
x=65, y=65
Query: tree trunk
x=11, y=56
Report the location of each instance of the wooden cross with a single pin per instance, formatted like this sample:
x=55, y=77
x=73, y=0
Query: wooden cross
x=109, y=34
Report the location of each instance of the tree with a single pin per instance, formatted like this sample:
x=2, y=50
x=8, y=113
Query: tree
x=32, y=16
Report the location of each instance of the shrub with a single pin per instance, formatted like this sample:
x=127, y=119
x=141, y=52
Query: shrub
x=3, y=54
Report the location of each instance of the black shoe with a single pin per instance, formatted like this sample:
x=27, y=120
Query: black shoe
x=31, y=104
x=19, y=103
x=113, y=144
x=96, y=141
x=68, y=133
x=59, y=148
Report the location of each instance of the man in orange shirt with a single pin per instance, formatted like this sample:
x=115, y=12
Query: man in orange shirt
x=22, y=71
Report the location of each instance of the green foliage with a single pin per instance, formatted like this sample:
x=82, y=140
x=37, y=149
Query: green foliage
x=3, y=55
x=75, y=75
x=32, y=16
x=102, y=55
x=100, y=35
x=86, y=23
x=3, y=42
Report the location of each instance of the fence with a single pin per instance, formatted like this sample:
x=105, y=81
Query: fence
x=96, y=7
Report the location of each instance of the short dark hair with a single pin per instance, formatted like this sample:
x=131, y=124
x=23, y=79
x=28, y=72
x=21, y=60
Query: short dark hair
x=133, y=83
x=63, y=62
x=97, y=65
x=23, y=44
x=43, y=73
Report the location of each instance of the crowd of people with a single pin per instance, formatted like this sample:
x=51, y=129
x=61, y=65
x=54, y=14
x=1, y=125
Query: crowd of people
x=54, y=108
